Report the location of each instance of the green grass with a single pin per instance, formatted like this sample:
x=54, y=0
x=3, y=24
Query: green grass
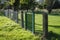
x=53, y=23
x=53, y=26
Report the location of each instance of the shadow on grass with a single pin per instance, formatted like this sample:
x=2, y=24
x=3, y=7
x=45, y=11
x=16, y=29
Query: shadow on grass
x=56, y=26
x=53, y=36
x=38, y=32
x=54, y=14
x=38, y=24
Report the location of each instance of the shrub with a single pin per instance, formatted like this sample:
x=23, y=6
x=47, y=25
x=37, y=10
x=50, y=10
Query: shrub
x=9, y=30
x=1, y=13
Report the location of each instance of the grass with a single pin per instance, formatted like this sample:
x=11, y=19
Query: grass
x=53, y=26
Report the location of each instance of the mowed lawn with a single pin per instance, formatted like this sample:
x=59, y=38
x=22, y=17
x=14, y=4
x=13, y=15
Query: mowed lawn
x=53, y=26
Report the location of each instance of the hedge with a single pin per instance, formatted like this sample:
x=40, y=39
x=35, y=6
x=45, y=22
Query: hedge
x=9, y=30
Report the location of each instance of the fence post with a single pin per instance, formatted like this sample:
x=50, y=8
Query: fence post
x=45, y=26
x=33, y=21
x=26, y=19
x=22, y=19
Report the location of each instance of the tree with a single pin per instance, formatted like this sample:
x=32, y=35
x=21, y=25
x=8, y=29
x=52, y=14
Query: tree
x=16, y=9
x=50, y=4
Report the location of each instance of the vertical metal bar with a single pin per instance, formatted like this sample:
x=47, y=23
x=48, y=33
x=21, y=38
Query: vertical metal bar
x=25, y=20
x=15, y=16
x=22, y=19
x=33, y=21
x=8, y=12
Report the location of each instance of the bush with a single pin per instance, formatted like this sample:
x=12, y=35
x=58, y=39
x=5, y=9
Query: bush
x=1, y=13
x=10, y=30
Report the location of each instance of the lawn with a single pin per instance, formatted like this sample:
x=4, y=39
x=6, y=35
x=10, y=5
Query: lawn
x=53, y=25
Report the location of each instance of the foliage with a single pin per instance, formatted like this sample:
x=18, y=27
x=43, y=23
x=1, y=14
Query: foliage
x=1, y=13
x=24, y=1
x=10, y=30
x=11, y=2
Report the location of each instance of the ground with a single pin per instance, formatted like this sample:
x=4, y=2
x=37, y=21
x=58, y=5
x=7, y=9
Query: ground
x=53, y=25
